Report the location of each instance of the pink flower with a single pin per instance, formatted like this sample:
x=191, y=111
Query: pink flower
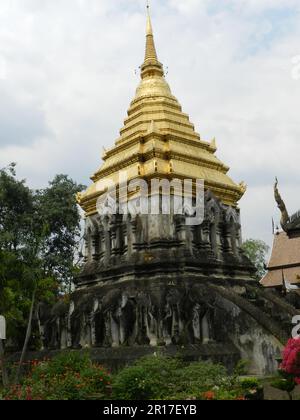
x=291, y=358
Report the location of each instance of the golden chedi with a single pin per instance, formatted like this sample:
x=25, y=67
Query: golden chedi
x=158, y=140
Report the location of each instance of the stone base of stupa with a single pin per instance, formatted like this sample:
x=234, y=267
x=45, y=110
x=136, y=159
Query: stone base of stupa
x=180, y=312
x=153, y=283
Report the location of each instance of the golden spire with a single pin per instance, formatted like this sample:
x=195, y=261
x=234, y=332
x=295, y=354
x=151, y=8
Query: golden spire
x=158, y=139
x=151, y=64
x=150, y=44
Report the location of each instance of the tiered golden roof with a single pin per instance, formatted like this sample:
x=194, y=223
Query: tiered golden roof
x=159, y=141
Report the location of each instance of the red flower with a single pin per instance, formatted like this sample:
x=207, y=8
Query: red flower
x=291, y=358
x=209, y=395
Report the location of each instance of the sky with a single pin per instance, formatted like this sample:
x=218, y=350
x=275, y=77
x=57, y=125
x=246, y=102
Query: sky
x=68, y=71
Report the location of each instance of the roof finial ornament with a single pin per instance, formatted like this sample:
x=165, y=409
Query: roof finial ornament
x=149, y=23
x=151, y=65
x=281, y=205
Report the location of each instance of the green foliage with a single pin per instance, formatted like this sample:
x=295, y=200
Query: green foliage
x=287, y=385
x=58, y=213
x=252, y=389
x=38, y=235
x=285, y=382
x=16, y=209
x=159, y=377
x=200, y=377
x=241, y=368
x=149, y=378
x=249, y=383
x=256, y=251
x=70, y=376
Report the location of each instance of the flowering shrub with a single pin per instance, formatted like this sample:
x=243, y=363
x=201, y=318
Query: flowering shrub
x=163, y=378
x=291, y=359
x=152, y=377
x=289, y=369
x=209, y=396
x=223, y=395
x=70, y=376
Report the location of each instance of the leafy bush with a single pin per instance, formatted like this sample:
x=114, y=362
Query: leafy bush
x=241, y=368
x=249, y=383
x=72, y=376
x=69, y=376
x=223, y=395
x=149, y=378
x=287, y=385
x=199, y=377
x=159, y=377
x=252, y=388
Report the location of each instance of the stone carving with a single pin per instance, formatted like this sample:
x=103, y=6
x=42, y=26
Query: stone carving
x=111, y=237
x=165, y=315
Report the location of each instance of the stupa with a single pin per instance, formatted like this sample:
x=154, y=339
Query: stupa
x=152, y=282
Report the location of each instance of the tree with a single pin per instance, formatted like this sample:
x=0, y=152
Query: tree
x=39, y=231
x=16, y=209
x=257, y=250
x=58, y=214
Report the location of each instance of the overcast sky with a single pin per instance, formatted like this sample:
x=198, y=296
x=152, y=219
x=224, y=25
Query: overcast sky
x=67, y=76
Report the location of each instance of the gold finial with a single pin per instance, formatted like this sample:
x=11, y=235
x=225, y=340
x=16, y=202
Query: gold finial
x=79, y=197
x=243, y=186
x=149, y=23
x=149, y=30
x=213, y=144
x=150, y=45
x=151, y=66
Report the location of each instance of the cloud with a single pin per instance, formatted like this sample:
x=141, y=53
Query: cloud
x=67, y=76
x=20, y=122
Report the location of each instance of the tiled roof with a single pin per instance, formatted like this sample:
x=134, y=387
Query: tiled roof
x=284, y=262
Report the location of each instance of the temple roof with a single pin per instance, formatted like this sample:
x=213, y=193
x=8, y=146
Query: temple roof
x=158, y=140
x=284, y=263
